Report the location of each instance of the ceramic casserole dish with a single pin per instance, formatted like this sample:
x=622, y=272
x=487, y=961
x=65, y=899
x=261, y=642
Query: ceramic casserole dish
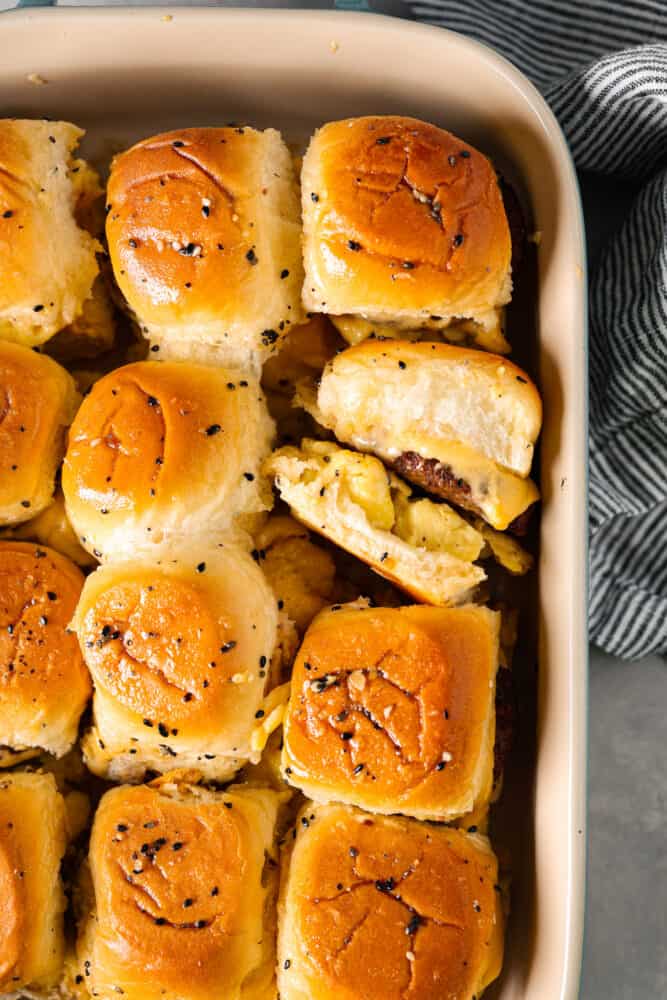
x=125, y=73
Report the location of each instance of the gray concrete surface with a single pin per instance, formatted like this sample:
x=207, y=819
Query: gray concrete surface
x=625, y=955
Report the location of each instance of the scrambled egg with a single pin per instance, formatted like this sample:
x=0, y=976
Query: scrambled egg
x=300, y=573
x=387, y=502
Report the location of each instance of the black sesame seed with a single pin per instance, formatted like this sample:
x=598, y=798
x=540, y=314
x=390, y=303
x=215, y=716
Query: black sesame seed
x=147, y=722
x=249, y=476
x=269, y=337
x=458, y=240
x=408, y=265
x=188, y=696
x=284, y=273
x=358, y=769
x=177, y=143
x=228, y=646
x=8, y=214
x=262, y=661
x=121, y=827
x=383, y=140
x=215, y=890
x=353, y=245
x=187, y=902
x=213, y=429
x=133, y=244
x=286, y=963
x=354, y=851
x=465, y=154
x=346, y=736
x=176, y=846
x=440, y=766
x=251, y=257
x=385, y=884
x=415, y=922
x=523, y=380
x=259, y=714
x=37, y=309
x=201, y=567
x=160, y=921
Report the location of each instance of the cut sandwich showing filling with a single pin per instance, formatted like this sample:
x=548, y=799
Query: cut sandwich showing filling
x=461, y=424
x=426, y=548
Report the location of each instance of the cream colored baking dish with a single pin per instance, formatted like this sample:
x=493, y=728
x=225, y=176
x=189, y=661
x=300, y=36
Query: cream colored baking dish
x=125, y=73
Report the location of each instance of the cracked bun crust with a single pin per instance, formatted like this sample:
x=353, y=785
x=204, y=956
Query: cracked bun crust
x=460, y=423
x=164, y=448
x=181, y=891
x=403, y=223
x=38, y=400
x=204, y=236
x=392, y=709
x=386, y=908
x=180, y=652
x=44, y=685
x=32, y=844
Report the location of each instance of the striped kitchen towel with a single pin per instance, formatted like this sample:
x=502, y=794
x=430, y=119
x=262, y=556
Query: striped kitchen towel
x=602, y=66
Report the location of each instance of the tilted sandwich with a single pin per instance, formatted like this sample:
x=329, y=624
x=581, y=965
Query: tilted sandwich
x=424, y=547
x=461, y=424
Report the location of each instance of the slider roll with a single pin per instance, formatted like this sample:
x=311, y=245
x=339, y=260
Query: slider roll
x=461, y=424
x=44, y=684
x=180, y=649
x=38, y=400
x=163, y=449
x=32, y=844
x=181, y=888
x=204, y=236
x=392, y=709
x=378, y=906
x=47, y=261
x=404, y=225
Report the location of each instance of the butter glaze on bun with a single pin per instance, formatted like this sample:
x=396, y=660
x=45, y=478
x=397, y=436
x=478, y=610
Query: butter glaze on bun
x=180, y=650
x=38, y=400
x=164, y=448
x=460, y=423
x=403, y=223
x=47, y=262
x=392, y=709
x=32, y=844
x=44, y=685
x=182, y=888
x=386, y=908
x=204, y=236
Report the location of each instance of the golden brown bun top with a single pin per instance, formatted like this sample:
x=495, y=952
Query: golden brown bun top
x=158, y=442
x=37, y=400
x=165, y=641
x=391, y=700
x=416, y=199
x=183, y=226
x=391, y=908
x=170, y=869
x=40, y=661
